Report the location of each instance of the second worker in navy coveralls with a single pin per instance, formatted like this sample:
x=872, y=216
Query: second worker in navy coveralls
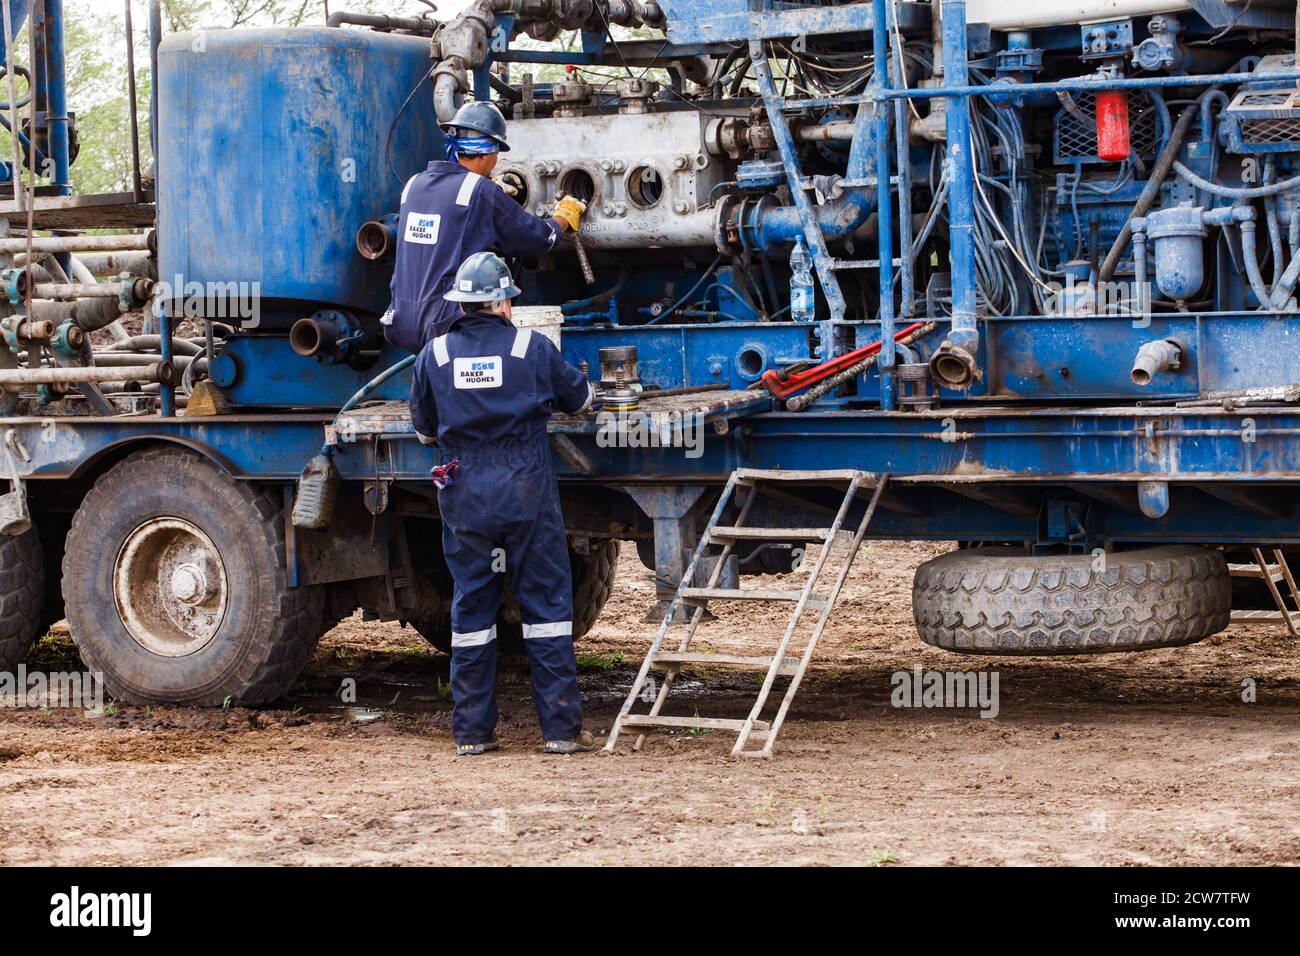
x=483, y=391
x=451, y=211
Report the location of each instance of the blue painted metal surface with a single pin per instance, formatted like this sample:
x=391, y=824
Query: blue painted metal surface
x=276, y=152
x=961, y=172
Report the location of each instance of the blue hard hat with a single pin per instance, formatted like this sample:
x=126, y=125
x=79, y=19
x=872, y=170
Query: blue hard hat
x=482, y=117
x=483, y=277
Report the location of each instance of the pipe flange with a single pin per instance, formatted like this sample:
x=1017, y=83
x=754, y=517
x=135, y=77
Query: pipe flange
x=951, y=366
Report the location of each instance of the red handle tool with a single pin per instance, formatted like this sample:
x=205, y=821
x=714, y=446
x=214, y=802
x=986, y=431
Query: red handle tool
x=782, y=384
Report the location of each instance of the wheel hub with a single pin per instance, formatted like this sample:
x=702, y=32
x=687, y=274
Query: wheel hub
x=170, y=586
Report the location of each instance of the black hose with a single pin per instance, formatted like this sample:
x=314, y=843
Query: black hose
x=505, y=89
x=90, y=315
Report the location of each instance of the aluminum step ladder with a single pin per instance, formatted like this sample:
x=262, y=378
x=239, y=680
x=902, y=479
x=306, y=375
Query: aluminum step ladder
x=1272, y=573
x=782, y=663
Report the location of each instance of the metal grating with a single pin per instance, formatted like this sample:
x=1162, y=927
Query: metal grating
x=1076, y=136
x=1270, y=131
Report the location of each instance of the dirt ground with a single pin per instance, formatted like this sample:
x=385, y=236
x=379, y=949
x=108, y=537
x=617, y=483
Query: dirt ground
x=1124, y=759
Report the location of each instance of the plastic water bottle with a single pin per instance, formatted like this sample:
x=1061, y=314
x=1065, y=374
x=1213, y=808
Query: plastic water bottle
x=803, y=307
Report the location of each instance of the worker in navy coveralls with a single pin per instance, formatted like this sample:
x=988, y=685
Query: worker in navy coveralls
x=451, y=211
x=483, y=391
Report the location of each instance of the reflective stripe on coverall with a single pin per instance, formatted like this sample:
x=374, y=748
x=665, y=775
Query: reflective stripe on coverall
x=485, y=390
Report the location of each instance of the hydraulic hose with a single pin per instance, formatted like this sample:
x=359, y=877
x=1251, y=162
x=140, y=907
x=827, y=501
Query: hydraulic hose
x=1256, y=277
x=377, y=381
x=1236, y=192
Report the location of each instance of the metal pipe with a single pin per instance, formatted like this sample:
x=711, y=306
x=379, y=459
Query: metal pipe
x=445, y=94
x=884, y=205
x=10, y=32
x=167, y=403
x=155, y=37
x=132, y=242
x=1085, y=84
x=56, y=117
x=1140, y=268
x=961, y=191
x=162, y=372
x=839, y=131
x=381, y=22
x=1158, y=356
x=104, y=264
x=137, y=184
x=82, y=290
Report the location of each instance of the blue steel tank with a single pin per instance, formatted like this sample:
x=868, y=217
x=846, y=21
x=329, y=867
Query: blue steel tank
x=272, y=154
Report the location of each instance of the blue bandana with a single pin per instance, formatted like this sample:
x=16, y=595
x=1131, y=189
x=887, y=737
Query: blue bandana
x=468, y=146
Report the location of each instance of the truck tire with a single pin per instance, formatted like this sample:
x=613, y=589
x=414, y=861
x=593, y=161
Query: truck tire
x=1000, y=600
x=22, y=595
x=54, y=534
x=593, y=582
x=177, y=589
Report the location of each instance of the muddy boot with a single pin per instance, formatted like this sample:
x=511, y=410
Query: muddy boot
x=580, y=744
x=474, y=750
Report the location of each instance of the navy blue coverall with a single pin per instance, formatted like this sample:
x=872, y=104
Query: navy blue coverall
x=484, y=390
x=447, y=215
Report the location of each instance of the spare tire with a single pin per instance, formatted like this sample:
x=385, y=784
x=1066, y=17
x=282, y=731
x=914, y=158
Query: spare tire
x=1003, y=601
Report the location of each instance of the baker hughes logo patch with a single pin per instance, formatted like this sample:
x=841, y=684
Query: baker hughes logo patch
x=481, y=372
x=422, y=227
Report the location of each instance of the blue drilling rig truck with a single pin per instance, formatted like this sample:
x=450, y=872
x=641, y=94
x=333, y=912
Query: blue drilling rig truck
x=1035, y=261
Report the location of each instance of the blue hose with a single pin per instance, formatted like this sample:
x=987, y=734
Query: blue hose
x=366, y=389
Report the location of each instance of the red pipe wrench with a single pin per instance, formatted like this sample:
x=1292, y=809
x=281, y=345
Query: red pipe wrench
x=784, y=384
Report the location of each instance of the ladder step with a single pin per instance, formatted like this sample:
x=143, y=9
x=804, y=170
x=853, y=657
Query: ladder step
x=694, y=723
x=722, y=534
x=788, y=665
x=696, y=595
x=751, y=475
x=1262, y=617
x=1254, y=571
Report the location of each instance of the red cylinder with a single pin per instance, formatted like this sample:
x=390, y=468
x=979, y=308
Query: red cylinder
x=1112, y=126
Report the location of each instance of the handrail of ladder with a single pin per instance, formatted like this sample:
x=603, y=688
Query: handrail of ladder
x=809, y=586
x=688, y=575
x=797, y=679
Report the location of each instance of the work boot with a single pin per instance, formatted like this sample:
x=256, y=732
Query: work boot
x=580, y=744
x=474, y=750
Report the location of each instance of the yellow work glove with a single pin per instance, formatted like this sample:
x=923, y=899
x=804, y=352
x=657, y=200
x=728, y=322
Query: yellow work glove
x=510, y=183
x=569, y=211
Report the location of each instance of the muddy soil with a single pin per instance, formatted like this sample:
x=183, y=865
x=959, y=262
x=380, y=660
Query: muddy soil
x=1125, y=759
